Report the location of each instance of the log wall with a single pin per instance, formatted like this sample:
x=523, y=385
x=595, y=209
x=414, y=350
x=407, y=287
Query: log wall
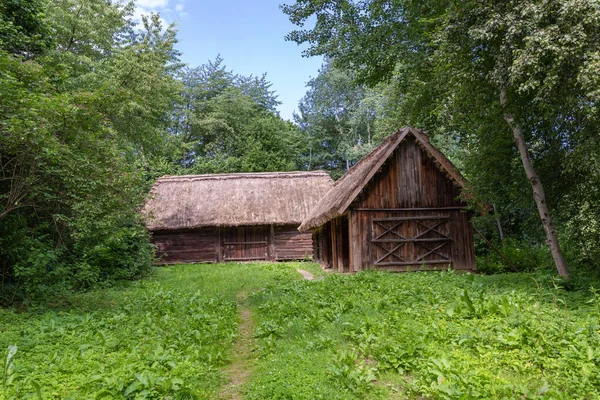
x=186, y=246
x=291, y=244
x=254, y=243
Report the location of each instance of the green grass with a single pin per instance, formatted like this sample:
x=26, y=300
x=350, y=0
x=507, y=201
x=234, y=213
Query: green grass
x=433, y=335
x=165, y=336
x=437, y=335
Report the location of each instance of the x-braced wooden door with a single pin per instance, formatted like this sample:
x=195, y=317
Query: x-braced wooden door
x=415, y=240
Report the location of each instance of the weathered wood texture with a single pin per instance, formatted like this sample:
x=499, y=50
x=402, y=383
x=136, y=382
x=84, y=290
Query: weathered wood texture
x=186, y=246
x=246, y=243
x=291, y=244
x=407, y=217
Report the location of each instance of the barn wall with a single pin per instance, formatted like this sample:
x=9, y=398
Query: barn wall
x=249, y=243
x=198, y=245
x=335, y=245
x=325, y=238
x=291, y=244
x=459, y=249
x=409, y=179
x=412, y=194
x=245, y=243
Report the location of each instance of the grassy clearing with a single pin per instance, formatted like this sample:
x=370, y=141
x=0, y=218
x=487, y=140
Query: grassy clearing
x=369, y=336
x=166, y=336
x=431, y=335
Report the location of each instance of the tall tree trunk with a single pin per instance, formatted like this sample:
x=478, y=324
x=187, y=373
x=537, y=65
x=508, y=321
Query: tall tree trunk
x=538, y=190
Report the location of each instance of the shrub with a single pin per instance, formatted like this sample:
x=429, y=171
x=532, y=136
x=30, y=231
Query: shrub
x=526, y=257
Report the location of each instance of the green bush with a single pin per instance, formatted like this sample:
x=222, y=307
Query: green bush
x=525, y=257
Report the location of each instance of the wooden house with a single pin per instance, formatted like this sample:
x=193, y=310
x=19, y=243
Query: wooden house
x=233, y=217
x=397, y=209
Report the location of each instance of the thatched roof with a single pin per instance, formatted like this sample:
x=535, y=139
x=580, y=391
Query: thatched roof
x=194, y=201
x=349, y=186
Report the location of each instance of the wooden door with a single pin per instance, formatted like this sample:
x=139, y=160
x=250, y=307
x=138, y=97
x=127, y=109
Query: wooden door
x=415, y=240
x=245, y=243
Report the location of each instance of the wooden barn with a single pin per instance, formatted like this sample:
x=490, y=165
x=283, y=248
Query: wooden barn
x=233, y=217
x=397, y=209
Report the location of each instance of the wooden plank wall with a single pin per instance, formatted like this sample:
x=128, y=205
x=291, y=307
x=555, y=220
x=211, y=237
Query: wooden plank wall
x=186, y=246
x=409, y=185
x=245, y=243
x=233, y=244
x=458, y=229
x=291, y=244
x=409, y=179
x=335, y=245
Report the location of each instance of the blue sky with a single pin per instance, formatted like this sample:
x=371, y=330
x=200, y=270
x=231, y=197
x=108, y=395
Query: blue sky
x=249, y=36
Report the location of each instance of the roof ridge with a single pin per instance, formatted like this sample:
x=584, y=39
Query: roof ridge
x=243, y=175
x=348, y=187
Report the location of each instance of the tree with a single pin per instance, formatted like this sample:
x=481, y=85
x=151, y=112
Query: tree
x=228, y=123
x=526, y=64
x=338, y=117
x=22, y=28
x=78, y=117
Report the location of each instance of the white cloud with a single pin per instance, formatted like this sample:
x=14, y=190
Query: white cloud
x=152, y=4
x=162, y=7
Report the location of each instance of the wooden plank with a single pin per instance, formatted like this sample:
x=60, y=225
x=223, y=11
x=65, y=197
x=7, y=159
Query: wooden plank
x=339, y=245
x=433, y=217
x=413, y=268
x=186, y=245
x=271, y=245
x=219, y=246
x=444, y=239
x=334, y=247
x=291, y=244
x=244, y=243
x=414, y=262
x=355, y=245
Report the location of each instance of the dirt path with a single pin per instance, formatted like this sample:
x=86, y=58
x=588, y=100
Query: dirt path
x=239, y=370
x=307, y=275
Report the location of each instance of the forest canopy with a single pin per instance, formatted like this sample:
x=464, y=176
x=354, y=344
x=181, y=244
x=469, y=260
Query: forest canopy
x=509, y=89
x=96, y=105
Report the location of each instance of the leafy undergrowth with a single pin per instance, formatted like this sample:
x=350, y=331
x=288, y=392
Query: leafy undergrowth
x=430, y=335
x=162, y=338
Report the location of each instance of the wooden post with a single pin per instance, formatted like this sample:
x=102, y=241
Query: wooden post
x=339, y=245
x=355, y=242
x=219, y=245
x=334, y=253
x=325, y=240
x=271, y=244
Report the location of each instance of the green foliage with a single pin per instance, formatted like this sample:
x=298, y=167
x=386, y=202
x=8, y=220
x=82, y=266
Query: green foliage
x=77, y=119
x=435, y=335
x=526, y=257
x=338, y=118
x=22, y=31
x=443, y=64
x=228, y=123
x=165, y=337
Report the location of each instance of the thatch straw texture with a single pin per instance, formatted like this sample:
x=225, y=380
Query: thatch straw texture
x=349, y=186
x=246, y=199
